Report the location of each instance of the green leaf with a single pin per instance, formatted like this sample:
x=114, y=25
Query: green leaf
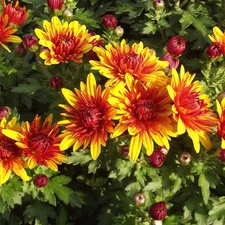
x=11, y=193
x=28, y=88
x=154, y=185
x=133, y=188
x=56, y=186
x=62, y=217
x=79, y=157
x=218, y=210
x=204, y=184
x=39, y=210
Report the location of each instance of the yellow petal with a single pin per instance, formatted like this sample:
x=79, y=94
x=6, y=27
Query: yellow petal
x=195, y=139
x=31, y=162
x=91, y=84
x=95, y=149
x=12, y=134
x=148, y=143
x=135, y=146
x=52, y=165
x=119, y=129
x=180, y=126
x=67, y=142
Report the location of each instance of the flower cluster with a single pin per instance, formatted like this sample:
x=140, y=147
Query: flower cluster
x=10, y=19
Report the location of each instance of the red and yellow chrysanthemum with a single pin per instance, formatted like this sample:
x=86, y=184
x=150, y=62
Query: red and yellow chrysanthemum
x=88, y=117
x=16, y=14
x=191, y=108
x=144, y=110
x=221, y=124
x=11, y=157
x=63, y=41
x=116, y=60
x=39, y=142
x=6, y=33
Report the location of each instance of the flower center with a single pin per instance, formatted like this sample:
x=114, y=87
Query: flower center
x=41, y=143
x=64, y=45
x=8, y=149
x=132, y=60
x=145, y=109
x=90, y=116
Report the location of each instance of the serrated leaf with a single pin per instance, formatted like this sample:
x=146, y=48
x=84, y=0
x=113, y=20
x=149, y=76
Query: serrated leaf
x=28, y=88
x=154, y=185
x=188, y=19
x=11, y=192
x=79, y=157
x=218, y=210
x=75, y=200
x=56, y=186
x=39, y=210
x=204, y=184
x=133, y=188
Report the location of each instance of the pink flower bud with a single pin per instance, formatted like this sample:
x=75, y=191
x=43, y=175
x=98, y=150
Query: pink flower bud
x=30, y=42
x=185, y=158
x=158, y=4
x=118, y=31
x=124, y=151
x=109, y=21
x=139, y=199
x=20, y=50
x=156, y=159
x=158, y=211
x=55, y=5
x=41, y=181
x=213, y=51
x=56, y=82
x=173, y=62
x=175, y=46
x=5, y=111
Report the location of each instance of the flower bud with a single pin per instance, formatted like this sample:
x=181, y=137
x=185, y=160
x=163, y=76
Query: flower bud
x=124, y=151
x=139, y=199
x=118, y=31
x=163, y=150
x=41, y=180
x=185, y=158
x=20, y=50
x=156, y=159
x=221, y=96
x=158, y=211
x=175, y=46
x=156, y=222
x=173, y=62
x=213, y=51
x=220, y=153
x=30, y=42
x=109, y=21
x=55, y=5
x=68, y=13
x=56, y=82
x=5, y=111
x=158, y=4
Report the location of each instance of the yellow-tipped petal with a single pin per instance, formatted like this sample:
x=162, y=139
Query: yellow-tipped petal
x=95, y=150
x=13, y=134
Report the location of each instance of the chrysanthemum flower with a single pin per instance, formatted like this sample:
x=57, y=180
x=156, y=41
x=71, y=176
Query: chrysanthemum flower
x=64, y=41
x=39, y=142
x=218, y=37
x=221, y=125
x=15, y=14
x=6, y=33
x=89, y=117
x=117, y=60
x=145, y=111
x=10, y=155
x=191, y=108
